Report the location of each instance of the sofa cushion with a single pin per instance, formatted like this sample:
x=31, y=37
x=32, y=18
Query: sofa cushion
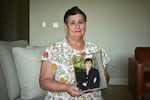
x=37, y=98
x=8, y=67
x=28, y=69
x=3, y=90
x=142, y=54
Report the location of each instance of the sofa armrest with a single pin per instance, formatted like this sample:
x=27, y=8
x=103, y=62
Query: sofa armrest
x=3, y=90
x=131, y=74
x=139, y=78
x=135, y=76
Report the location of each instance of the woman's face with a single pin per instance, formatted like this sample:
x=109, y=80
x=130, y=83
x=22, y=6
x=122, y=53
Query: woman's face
x=76, y=26
x=88, y=64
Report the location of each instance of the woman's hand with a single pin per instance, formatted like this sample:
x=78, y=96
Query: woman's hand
x=73, y=90
x=107, y=75
x=84, y=83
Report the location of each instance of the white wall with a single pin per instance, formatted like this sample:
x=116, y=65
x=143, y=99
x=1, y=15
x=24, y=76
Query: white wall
x=118, y=26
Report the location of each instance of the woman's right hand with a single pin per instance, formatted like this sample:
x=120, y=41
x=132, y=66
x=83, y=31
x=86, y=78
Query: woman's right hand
x=73, y=90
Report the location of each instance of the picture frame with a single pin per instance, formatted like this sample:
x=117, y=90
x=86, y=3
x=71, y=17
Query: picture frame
x=89, y=72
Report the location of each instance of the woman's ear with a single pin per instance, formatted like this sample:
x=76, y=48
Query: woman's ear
x=65, y=25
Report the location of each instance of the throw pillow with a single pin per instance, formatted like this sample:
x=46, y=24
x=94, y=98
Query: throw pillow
x=28, y=69
x=8, y=67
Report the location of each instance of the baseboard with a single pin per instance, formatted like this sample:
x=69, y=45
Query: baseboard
x=118, y=81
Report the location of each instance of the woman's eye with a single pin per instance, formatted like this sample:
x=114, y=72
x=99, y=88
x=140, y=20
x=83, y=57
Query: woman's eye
x=72, y=23
x=81, y=22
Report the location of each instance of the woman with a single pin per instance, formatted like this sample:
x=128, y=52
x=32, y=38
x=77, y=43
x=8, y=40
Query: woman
x=57, y=71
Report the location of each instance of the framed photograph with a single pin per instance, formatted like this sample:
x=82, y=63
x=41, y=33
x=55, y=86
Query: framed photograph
x=89, y=72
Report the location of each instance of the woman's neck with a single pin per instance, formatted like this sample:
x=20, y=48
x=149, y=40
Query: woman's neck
x=76, y=44
x=87, y=70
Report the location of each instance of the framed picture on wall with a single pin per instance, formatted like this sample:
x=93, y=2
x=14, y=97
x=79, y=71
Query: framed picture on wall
x=89, y=72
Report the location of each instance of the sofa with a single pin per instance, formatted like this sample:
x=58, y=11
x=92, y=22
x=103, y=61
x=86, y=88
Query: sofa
x=19, y=71
x=139, y=73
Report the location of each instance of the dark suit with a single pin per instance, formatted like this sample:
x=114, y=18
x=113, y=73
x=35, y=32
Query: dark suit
x=82, y=77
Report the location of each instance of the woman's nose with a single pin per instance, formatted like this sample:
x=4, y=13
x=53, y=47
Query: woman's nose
x=77, y=25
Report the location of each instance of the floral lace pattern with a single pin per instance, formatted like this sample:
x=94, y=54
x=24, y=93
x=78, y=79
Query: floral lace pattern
x=60, y=55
